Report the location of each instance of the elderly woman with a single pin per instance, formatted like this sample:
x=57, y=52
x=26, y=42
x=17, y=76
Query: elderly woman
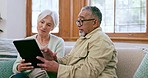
x=47, y=21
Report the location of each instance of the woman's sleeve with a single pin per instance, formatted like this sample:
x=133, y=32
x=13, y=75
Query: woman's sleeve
x=60, y=48
x=16, y=64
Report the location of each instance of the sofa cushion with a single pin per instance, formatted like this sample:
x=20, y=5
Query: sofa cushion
x=142, y=71
x=6, y=68
x=128, y=61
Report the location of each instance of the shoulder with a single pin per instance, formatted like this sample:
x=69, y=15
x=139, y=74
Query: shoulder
x=100, y=36
x=56, y=38
x=31, y=37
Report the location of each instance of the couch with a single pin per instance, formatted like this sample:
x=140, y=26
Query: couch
x=129, y=59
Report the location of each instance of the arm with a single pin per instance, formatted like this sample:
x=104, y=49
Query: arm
x=91, y=65
x=57, y=45
x=60, y=48
x=18, y=60
x=21, y=66
x=99, y=57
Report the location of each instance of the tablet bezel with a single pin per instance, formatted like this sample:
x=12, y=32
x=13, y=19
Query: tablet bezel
x=28, y=50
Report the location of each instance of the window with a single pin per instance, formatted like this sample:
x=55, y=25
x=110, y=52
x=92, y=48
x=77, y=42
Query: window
x=124, y=17
x=38, y=6
x=68, y=13
x=123, y=20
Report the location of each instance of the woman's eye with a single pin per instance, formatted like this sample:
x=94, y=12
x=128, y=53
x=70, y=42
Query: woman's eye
x=42, y=22
x=48, y=25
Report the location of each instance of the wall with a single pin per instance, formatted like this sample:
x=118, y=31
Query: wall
x=13, y=13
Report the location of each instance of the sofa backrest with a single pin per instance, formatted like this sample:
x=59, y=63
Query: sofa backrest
x=128, y=60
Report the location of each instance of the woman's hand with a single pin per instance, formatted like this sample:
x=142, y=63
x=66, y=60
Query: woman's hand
x=24, y=66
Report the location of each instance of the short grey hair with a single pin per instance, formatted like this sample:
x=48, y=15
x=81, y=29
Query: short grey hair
x=53, y=14
x=95, y=11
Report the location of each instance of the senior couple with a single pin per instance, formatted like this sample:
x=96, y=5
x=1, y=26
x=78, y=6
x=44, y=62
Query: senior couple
x=93, y=56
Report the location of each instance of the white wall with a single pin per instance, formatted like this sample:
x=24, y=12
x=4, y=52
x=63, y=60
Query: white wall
x=13, y=13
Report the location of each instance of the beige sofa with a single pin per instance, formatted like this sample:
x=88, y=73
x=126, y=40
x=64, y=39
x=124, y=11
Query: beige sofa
x=129, y=58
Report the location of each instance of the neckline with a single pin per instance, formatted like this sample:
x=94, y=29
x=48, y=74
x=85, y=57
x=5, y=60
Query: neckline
x=40, y=45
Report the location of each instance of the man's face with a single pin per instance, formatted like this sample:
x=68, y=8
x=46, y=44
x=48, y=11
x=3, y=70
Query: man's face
x=85, y=22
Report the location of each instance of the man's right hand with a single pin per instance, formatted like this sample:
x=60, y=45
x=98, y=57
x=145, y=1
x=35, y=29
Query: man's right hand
x=49, y=55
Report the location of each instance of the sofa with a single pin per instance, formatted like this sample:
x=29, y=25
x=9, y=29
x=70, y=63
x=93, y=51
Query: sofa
x=129, y=58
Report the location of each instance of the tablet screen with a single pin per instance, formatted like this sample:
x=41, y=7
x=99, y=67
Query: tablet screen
x=28, y=50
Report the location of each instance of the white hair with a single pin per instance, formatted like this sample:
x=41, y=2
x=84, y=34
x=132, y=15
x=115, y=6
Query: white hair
x=53, y=14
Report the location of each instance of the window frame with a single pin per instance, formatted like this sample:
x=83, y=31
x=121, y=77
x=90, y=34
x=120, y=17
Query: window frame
x=130, y=37
x=73, y=33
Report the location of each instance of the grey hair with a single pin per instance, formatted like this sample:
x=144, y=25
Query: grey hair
x=53, y=14
x=95, y=12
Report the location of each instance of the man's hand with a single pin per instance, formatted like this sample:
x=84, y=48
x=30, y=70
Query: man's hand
x=49, y=55
x=51, y=66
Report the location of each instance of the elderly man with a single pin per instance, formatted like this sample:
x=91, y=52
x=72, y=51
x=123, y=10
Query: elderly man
x=93, y=56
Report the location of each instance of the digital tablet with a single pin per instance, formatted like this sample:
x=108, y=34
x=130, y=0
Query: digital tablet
x=28, y=50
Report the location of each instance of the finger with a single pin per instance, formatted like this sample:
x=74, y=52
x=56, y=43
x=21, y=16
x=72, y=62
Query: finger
x=55, y=53
x=28, y=67
x=23, y=60
x=48, y=51
x=25, y=64
x=44, y=49
x=44, y=68
x=42, y=59
x=42, y=65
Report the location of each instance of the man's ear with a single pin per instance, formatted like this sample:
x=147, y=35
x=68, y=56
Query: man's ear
x=94, y=22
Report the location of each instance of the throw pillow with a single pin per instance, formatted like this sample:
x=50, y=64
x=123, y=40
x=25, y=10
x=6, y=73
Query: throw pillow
x=142, y=71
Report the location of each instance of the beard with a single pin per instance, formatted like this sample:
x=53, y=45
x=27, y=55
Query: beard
x=81, y=33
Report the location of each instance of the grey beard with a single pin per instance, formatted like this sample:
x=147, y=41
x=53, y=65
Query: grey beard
x=81, y=33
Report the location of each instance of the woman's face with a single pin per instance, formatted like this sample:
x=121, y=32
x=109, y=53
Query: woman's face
x=45, y=25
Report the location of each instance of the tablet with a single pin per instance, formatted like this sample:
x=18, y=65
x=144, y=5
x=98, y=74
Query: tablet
x=28, y=50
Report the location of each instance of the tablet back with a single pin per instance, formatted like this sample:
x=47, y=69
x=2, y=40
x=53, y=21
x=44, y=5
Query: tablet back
x=28, y=50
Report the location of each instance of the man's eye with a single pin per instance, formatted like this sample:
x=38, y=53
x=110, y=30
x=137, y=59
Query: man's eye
x=78, y=20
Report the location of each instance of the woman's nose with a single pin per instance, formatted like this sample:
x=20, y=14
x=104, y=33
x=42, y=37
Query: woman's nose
x=44, y=25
